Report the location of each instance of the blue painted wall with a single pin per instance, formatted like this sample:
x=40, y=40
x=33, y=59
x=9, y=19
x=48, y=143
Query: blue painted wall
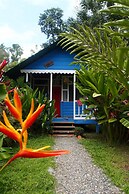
x=61, y=59
x=66, y=109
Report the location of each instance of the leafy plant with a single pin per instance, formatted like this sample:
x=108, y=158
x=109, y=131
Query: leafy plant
x=21, y=134
x=99, y=50
x=79, y=131
x=122, y=8
x=105, y=99
x=2, y=92
x=104, y=74
x=4, y=153
x=43, y=123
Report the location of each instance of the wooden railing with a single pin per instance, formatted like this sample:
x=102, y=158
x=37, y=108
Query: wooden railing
x=80, y=110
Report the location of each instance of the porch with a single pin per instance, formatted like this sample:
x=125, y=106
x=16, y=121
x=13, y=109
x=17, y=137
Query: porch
x=59, y=85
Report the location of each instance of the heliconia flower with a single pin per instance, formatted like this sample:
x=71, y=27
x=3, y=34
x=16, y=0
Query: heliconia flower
x=13, y=134
x=21, y=135
x=30, y=153
x=17, y=102
x=12, y=109
x=31, y=119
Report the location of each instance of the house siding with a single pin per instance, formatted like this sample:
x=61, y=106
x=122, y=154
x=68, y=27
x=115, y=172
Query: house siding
x=61, y=61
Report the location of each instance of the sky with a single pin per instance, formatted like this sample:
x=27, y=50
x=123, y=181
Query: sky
x=19, y=21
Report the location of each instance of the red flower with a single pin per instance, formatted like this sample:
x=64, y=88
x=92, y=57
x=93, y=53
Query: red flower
x=3, y=64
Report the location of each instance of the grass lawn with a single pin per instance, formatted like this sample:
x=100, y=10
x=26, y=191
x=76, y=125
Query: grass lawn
x=114, y=160
x=29, y=176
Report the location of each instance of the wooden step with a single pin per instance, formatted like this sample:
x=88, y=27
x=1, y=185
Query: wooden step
x=63, y=127
x=63, y=135
x=63, y=131
x=63, y=123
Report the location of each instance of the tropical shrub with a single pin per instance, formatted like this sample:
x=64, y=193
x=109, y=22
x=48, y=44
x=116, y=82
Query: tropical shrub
x=4, y=152
x=79, y=131
x=43, y=122
x=103, y=55
x=122, y=8
x=20, y=135
x=106, y=101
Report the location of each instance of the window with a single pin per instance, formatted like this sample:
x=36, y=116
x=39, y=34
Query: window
x=42, y=84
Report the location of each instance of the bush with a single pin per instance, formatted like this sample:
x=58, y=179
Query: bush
x=79, y=131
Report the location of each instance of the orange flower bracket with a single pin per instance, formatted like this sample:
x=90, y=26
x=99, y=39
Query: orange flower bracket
x=21, y=135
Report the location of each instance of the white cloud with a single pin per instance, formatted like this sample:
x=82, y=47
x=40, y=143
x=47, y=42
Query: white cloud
x=27, y=39
x=27, y=49
x=68, y=6
x=30, y=36
x=3, y=4
x=48, y=3
x=8, y=34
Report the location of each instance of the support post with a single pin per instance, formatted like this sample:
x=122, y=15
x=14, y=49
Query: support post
x=74, y=94
x=26, y=77
x=51, y=77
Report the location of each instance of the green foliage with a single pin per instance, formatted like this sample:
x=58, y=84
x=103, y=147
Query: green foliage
x=105, y=99
x=3, y=92
x=29, y=175
x=99, y=50
x=79, y=131
x=120, y=8
x=51, y=23
x=5, y=153
x=103, y=76
x=16, y=52
x=89, y=13
x=3, y=53
x=125, y=122
x=43, y=122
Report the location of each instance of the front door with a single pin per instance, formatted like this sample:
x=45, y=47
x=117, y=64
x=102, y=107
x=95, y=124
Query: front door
x=57, y=97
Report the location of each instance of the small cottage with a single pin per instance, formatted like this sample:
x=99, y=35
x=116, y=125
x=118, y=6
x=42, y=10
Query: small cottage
x=51, y=69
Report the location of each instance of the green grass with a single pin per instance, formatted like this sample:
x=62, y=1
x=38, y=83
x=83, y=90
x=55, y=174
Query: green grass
x=114, y=160
x=29, y=176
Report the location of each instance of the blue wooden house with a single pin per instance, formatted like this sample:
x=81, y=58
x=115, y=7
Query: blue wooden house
x=50, y=69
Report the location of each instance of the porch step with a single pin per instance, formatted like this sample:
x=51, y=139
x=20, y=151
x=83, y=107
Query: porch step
x=63, y=135
x=63, y=129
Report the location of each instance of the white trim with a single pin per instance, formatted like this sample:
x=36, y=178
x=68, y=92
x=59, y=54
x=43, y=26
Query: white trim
x=27, y=77
x=74, y=94
x=48, y=71
x=83, y=118
x=65, y=89
x=51, y=80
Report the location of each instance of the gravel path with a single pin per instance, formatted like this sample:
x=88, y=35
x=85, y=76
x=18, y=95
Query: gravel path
x=76, y=173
